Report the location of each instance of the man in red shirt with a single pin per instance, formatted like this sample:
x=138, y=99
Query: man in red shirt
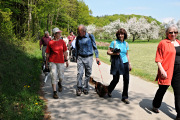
x=44, y=41
x=71, y=37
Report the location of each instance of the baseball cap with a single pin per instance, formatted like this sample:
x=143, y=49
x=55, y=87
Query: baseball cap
x=55, y=30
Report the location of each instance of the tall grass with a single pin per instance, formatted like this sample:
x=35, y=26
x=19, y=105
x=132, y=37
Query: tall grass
x=19, y=81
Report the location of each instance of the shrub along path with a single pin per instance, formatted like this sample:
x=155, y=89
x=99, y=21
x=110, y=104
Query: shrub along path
x=92, y=107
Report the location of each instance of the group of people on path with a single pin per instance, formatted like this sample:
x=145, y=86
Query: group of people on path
x=167, y=59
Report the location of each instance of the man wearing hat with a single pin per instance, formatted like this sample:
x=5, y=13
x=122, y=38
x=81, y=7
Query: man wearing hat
x=44, y=41
x=56, y=56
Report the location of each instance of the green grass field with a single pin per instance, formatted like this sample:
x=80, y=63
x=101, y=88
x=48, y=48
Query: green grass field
x=142, y=57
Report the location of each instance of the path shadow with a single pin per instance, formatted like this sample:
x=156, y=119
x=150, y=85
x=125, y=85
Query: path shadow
x=146, y=104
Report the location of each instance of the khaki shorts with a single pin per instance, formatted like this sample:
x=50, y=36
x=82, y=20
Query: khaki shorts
x=56, y=72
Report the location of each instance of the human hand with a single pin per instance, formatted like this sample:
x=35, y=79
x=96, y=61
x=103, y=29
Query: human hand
x=130, y=68
x=97, y=60
x=117, y=53
x=163, y=74
x=67, y=64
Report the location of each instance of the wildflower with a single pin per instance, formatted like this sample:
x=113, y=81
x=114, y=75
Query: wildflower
x=36, y=103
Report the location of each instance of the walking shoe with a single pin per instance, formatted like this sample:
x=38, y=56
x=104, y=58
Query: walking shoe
x=60, y=87
x=156, y=110
x=126, y=101
x=78, y=91
x=85, y=91
x=55, y=96
x=109, y=94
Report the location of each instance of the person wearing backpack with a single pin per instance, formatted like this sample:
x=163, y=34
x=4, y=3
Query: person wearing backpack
x=85, y=45
x=120, y=63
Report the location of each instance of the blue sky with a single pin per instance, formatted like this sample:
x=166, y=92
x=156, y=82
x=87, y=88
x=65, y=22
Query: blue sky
x=162, y=10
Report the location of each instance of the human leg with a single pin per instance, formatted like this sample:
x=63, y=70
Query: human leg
x=159, y=96
x=88, y=70
x=125, y=81
x=60, y=75
x=53, y=73
x=113, y=83
x=44, y=52
x=176, y=87
x=80, y=69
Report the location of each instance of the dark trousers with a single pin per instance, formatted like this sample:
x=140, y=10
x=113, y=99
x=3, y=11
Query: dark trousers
x=176, y=87
x=125, y=81
x=159, y=95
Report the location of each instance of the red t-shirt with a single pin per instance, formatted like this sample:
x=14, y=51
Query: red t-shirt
x=166, y=54
x=56, y=50
x=44, y=41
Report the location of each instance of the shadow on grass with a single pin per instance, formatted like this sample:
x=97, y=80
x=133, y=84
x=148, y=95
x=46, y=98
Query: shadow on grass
x=19, y=83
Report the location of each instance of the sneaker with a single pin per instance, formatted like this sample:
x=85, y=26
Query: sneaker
x=78, y=92
x=55, y=96
x=109, y=94
x=156, y=110
x=126, y=101
x=60, y=87
x=85, y=91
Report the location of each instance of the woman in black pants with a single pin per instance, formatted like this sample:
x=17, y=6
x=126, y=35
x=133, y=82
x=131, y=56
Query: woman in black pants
x=120, y=63
x=168, y=61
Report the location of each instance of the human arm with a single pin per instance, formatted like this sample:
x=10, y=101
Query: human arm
x=160, y=58
x=65, y=57
x=110, y=52
x=65, y=53
x=94, y=45
x=47, y=58
x=162, y=71
x=130, y=68
x=40, y=43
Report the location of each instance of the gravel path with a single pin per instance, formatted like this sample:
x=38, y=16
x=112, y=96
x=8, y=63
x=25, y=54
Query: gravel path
x=92, y=107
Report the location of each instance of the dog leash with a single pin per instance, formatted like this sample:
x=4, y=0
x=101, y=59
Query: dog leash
x=98, y=62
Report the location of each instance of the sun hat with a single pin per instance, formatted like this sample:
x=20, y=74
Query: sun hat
x=46, y=32
x=55, y=30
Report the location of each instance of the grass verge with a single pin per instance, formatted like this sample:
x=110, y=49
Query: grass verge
x=19, y=82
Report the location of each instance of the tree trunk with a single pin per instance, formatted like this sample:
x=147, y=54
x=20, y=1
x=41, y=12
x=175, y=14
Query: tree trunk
x=134, y=37
x=47, y=27
x=30, y=17
x=57, y=15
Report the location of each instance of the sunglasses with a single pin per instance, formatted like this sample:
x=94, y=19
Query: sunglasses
x=173, y=32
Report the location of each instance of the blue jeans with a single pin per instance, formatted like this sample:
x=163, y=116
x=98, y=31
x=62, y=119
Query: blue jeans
x=84, y=63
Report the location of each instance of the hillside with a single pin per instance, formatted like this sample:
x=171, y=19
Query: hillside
x=101, y=21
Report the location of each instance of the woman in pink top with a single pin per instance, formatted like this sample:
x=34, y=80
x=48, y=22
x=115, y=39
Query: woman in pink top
x=56, y=55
